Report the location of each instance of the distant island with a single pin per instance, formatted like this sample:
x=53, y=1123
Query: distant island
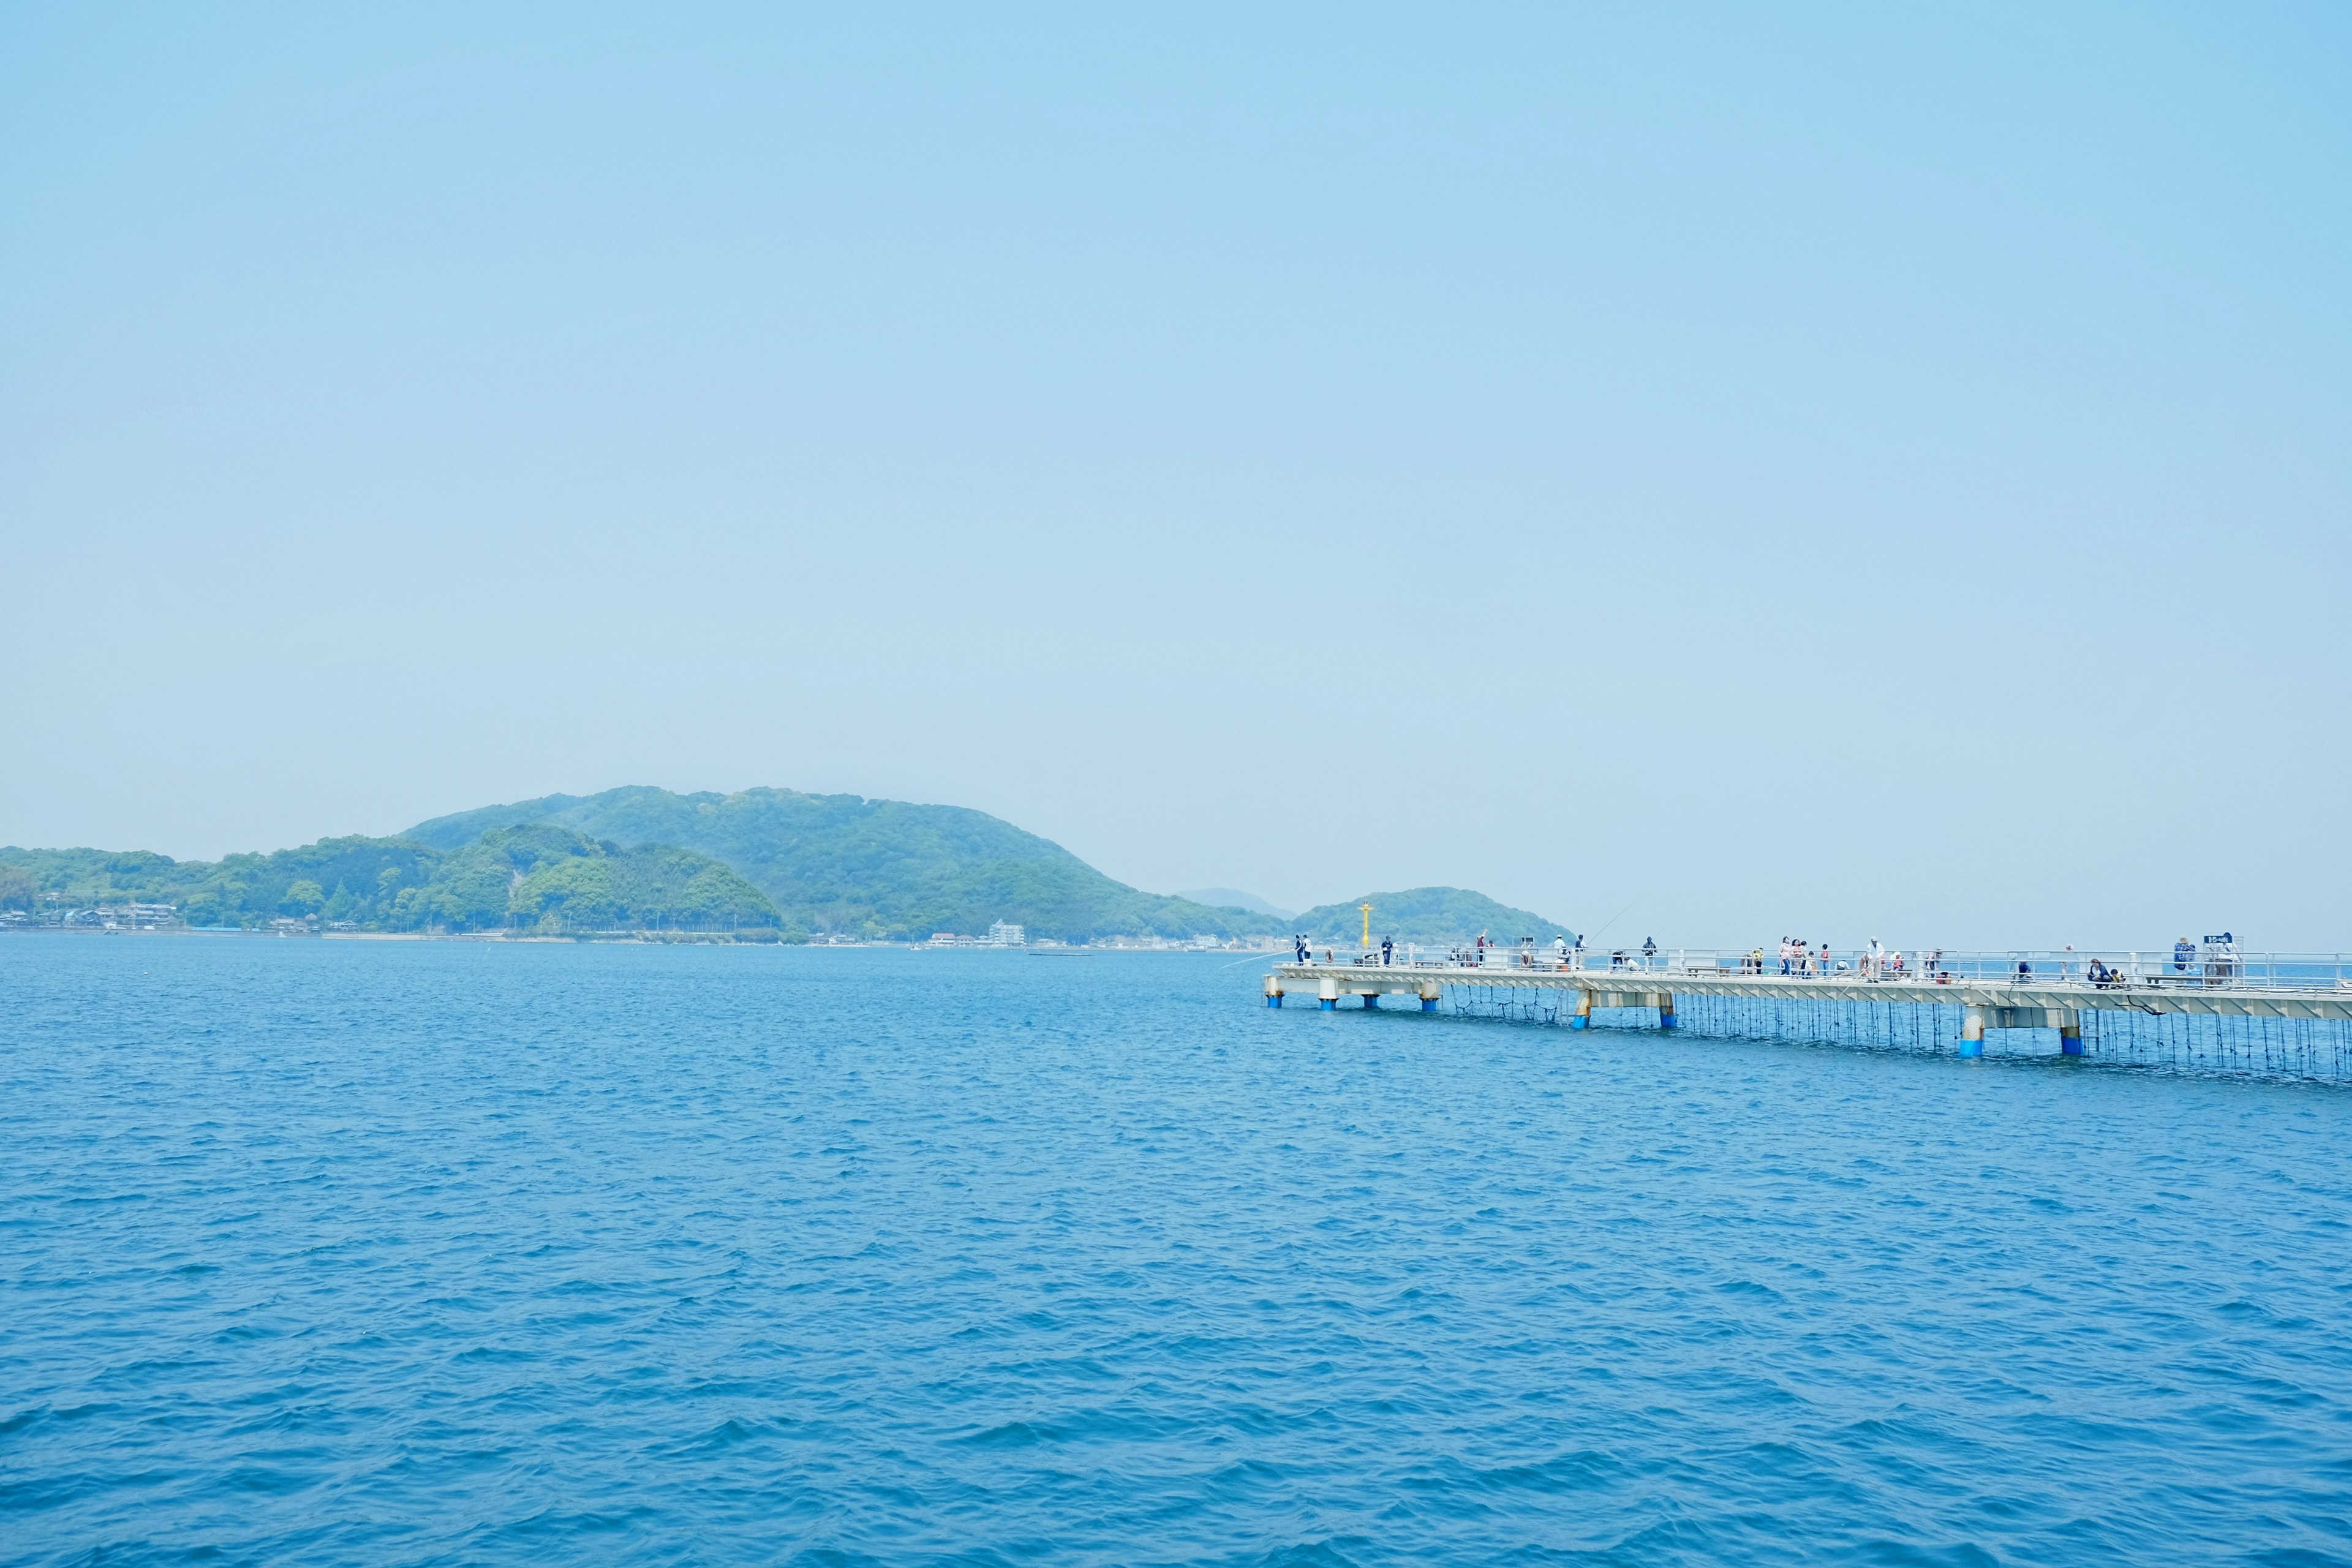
x=759, y=864
x=1431, y=917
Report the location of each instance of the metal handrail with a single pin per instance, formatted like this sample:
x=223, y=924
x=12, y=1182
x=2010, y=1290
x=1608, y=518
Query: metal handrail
x=2118, y=970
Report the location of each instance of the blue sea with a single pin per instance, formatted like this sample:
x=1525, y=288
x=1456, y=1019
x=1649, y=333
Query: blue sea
x=361, y=1252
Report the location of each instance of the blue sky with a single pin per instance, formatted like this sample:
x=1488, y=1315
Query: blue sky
x=1843, y=471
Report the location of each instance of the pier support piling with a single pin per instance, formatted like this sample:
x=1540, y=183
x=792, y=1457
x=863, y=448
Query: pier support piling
x=1665, y=1009
x=1429, y=993
x=2070, y=1031
x=1972, y=1027
x=1273, y=992
x=1331, y=994
x=1583, y=1019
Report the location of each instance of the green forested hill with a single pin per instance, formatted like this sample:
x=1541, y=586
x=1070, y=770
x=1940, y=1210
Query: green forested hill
x=1430, y=916
x=535, y=877
x=877, y=868
x=644, y=858
x=540, y=875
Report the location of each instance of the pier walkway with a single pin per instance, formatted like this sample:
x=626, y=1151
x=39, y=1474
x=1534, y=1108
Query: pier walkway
x=2266, y=1006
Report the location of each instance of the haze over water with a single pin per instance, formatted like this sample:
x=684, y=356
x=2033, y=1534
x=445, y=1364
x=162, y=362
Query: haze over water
x=378, y=1253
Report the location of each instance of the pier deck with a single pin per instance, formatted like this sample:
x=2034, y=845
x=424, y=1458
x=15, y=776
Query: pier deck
x=2192, y=1017
x=2193, y=994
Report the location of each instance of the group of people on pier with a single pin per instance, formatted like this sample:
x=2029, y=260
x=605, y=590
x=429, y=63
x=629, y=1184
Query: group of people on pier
x=1797, y=957
x=1304, y=952
x=1800, y=960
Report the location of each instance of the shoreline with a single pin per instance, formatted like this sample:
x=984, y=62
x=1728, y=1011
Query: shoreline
x=641, y=939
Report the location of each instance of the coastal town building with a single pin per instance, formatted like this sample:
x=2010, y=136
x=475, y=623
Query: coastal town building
x=1001, y=934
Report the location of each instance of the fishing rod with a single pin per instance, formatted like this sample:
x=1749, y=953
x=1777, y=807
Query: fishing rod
x=1614, y=919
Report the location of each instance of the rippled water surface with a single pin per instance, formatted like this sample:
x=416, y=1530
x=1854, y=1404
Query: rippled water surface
x=376, y=1252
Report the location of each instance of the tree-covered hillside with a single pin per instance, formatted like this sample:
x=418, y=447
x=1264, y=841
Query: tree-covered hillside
x=540, y=876
x=875, y=868
x=530, y=877
x=776, y=859
x=1434, y=917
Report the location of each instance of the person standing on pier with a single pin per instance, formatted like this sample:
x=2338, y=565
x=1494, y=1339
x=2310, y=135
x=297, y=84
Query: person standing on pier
x=1388, y=949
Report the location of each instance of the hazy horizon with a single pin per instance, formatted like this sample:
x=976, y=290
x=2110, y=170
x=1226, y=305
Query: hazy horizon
x=1841, y=473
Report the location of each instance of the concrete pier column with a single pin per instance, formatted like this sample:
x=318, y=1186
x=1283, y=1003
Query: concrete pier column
x=1330, y=997
x=1273, y=991
x=1665, y=1009
x=1372, y=1001
x=1972, y=1027
x=1429, y=993
x=1583, y=1019
x=2070, y=1031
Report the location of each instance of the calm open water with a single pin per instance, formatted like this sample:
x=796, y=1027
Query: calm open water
x=374, y=1252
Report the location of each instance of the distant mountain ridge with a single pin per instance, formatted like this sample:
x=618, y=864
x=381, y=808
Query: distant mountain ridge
x=883, y=869
x=1232, y=898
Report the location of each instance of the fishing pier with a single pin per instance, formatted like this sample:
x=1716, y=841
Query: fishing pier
x=2290, y=1013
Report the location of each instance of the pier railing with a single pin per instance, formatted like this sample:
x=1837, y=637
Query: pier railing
x=2157, y=969
x=2122, y=970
